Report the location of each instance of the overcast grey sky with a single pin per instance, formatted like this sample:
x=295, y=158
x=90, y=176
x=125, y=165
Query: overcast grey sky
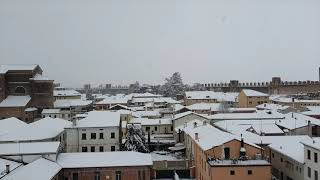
x=120, y=41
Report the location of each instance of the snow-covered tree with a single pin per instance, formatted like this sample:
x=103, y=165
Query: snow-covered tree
x=135, y=139
x=173, y=85
x=134, y=88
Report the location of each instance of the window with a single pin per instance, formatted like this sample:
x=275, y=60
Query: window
x=249, y=172
x=75, y=176
x=281, y=159
x=84, y=149
x=20, y=90
x=156, y=128
x=100, y=135
x=309, y=172
x=113, y=148
x=272, y=155
x=315, y=157
x=316, y=175
x=232, y=172
x=171, y=128
x=93, y=149
x=118, y=175
x=93, y=135
x=309, y=154
x=83, y=136
x=101, y=148
x=112, y=135
x=97, y=176
x=147, y=128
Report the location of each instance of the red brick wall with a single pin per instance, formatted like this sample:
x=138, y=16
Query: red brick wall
x=127, y=173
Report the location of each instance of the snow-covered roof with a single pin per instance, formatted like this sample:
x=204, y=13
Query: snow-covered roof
x=241, y=109
x=30, y=109
x=181, y=115
x=151, y=122
x=314, y=144
x=10, y=124
x=259, y=126
x=15, y=67
x=40, y=77
x=253, y=93
x=15, y=101
x=296, y=120
x=104, y=159
x=117, y=99
x=284, y=99
x=247, y=116
x=188, y=124
x=178, y=107
x=29, y=148
x=41, y=169
x=146, y=114
x=205, y=106
x=50, y=111
x=313, y=110
x=119, y=105
x=66, y=103
x=67, y=92
x=270, y=106
x=219, y=96
x=42, y=129
x=4, y=162
x=291, y=147
x=206, y=133
x=100, y=119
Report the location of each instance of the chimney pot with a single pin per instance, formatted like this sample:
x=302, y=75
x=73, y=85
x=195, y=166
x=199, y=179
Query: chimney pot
x=196, y=135
x=8, y=168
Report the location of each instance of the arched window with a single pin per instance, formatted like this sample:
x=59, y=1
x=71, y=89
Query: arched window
x=20, y=90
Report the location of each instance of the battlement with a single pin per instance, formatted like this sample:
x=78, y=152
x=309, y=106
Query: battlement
x=275, y=82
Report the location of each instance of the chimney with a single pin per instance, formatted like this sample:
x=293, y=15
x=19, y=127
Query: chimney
x=204, y=123
x=74, y=122
x=195, y=124
x=7, y=168
x=242, y=143
x=196, y=136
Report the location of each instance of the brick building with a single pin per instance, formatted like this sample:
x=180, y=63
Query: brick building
x=24, y=92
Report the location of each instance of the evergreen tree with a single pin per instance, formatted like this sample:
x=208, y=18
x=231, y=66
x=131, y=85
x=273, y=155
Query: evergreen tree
x=135, y=139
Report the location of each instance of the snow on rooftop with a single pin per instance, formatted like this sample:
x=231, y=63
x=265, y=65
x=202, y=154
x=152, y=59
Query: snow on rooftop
x=258, y=126
x=41, y=169
x=104, y=159
x=15, y=67
x=100, y=119
x=291, y=147
x=151, y=122
x=296, y=120
x=247, y=116
x=15, y=101
x=67, y=103
x=40, y=77
x=219, y=96
x=314, y=144
x=66, y=92
x=205, y=106
x=46, y=128
x=4, y=162
x=270, y=106
x=253, y=93
x=29, y=148
x=313, y=110
x=146, y=114
x=50, y=111
x=10, y=124
x=181, y=115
